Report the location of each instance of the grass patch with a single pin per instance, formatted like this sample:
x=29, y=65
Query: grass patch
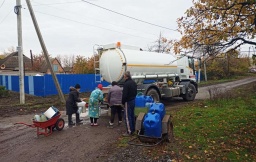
x=138, y=110
x=123, y=141
x=223, y=130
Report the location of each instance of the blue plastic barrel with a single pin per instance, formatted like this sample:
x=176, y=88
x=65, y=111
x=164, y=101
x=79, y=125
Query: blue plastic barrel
x=158, y=108
x=152, y=125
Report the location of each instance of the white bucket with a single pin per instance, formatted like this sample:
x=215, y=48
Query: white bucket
x=82, y=104
x=79, y=111
x=49, y=113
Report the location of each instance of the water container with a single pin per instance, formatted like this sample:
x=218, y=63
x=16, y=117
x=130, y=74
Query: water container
x=158, y=108
x=152, y=125
x=43, y=118
x=149, y=99
x=140, y=100
x=37, y=117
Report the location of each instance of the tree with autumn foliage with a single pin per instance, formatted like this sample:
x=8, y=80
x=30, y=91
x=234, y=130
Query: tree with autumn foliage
x=84, y=65
x=226, y=65
x=223, y=24
x=37, y=61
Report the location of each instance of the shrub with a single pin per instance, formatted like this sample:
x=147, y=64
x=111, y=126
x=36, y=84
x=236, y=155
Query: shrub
x=3, y=92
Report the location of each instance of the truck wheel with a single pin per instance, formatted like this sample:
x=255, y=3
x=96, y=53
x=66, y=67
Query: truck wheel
x=153, y=93
x=190, y=93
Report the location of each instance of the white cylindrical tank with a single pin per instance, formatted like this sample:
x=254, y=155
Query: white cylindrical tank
x=114, y=62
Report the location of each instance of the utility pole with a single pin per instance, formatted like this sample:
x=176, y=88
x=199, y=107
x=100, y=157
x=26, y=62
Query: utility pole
x=205, y=73
x=199, y=70
x=61, y=96
x=17, y=10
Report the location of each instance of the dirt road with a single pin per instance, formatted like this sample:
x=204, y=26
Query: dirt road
x=204, y=91
x=80, y=143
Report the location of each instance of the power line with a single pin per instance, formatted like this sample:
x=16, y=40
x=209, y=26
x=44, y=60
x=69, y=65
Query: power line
x=5, y=17
x=128, y=16
x=90, y=25
x=2, y=4
x=40, y=4
x=48, y=5
x=119, y=14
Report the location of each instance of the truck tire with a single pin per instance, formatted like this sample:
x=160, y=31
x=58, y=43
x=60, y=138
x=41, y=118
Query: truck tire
x=154, y=94
x=190, y=93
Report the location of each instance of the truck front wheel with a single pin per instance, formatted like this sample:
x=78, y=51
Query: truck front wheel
x=154, y=94
x=190, y=93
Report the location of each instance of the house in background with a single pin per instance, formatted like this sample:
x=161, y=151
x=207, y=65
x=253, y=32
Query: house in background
x=57, y=68
x=68, y=70
x=11, y=62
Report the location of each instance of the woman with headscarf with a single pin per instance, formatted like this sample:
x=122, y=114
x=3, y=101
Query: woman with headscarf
x=94, y=102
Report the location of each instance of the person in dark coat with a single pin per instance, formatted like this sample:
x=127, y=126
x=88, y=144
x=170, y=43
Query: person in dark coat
x=128, y=100
x=71, y=104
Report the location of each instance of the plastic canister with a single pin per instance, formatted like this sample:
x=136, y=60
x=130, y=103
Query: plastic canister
x=149, y=99
x=140, y=100
x=37, y=118
x=43, y=118
x=152, y=125
x=158, y=108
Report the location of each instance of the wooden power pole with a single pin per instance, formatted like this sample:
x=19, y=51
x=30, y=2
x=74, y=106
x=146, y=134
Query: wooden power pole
x=20, y=51
x=46, y=55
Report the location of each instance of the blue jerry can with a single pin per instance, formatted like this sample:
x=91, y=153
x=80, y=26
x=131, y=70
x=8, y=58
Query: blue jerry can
x=158, y=108
x=152, y=125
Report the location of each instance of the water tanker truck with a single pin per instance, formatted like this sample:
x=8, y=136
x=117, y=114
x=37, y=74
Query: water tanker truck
x=158, y=75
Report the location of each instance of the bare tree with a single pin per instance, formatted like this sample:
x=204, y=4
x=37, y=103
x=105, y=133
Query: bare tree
x=9, y=51
x=161, y=45
x=68, y=60
x=60, y=59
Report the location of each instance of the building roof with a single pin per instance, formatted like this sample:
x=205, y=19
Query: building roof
x=12, y=61
x=44, y=66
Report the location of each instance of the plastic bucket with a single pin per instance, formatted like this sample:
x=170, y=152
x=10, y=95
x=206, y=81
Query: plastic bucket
x=50, y=113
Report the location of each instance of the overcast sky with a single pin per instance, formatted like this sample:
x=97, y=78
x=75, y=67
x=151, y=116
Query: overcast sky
x=74, y=26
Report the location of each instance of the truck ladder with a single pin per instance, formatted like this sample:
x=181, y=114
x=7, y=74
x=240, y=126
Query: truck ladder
x=96, y=64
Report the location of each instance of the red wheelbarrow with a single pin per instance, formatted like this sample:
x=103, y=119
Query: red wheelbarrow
x=54, y=122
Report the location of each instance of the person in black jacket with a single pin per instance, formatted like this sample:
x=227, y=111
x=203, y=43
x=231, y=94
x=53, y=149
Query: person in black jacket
x=71, y=104
x=128, y=100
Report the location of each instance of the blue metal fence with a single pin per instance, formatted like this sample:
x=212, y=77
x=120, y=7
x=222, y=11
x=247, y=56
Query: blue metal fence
x=44, y=85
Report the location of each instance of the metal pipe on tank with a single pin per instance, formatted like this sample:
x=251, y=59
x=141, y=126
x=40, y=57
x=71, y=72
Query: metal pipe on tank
x=153, y=76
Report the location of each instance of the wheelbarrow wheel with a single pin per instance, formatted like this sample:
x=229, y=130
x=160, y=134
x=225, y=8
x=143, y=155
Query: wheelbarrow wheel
x=60, y=124
x=170, y=136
